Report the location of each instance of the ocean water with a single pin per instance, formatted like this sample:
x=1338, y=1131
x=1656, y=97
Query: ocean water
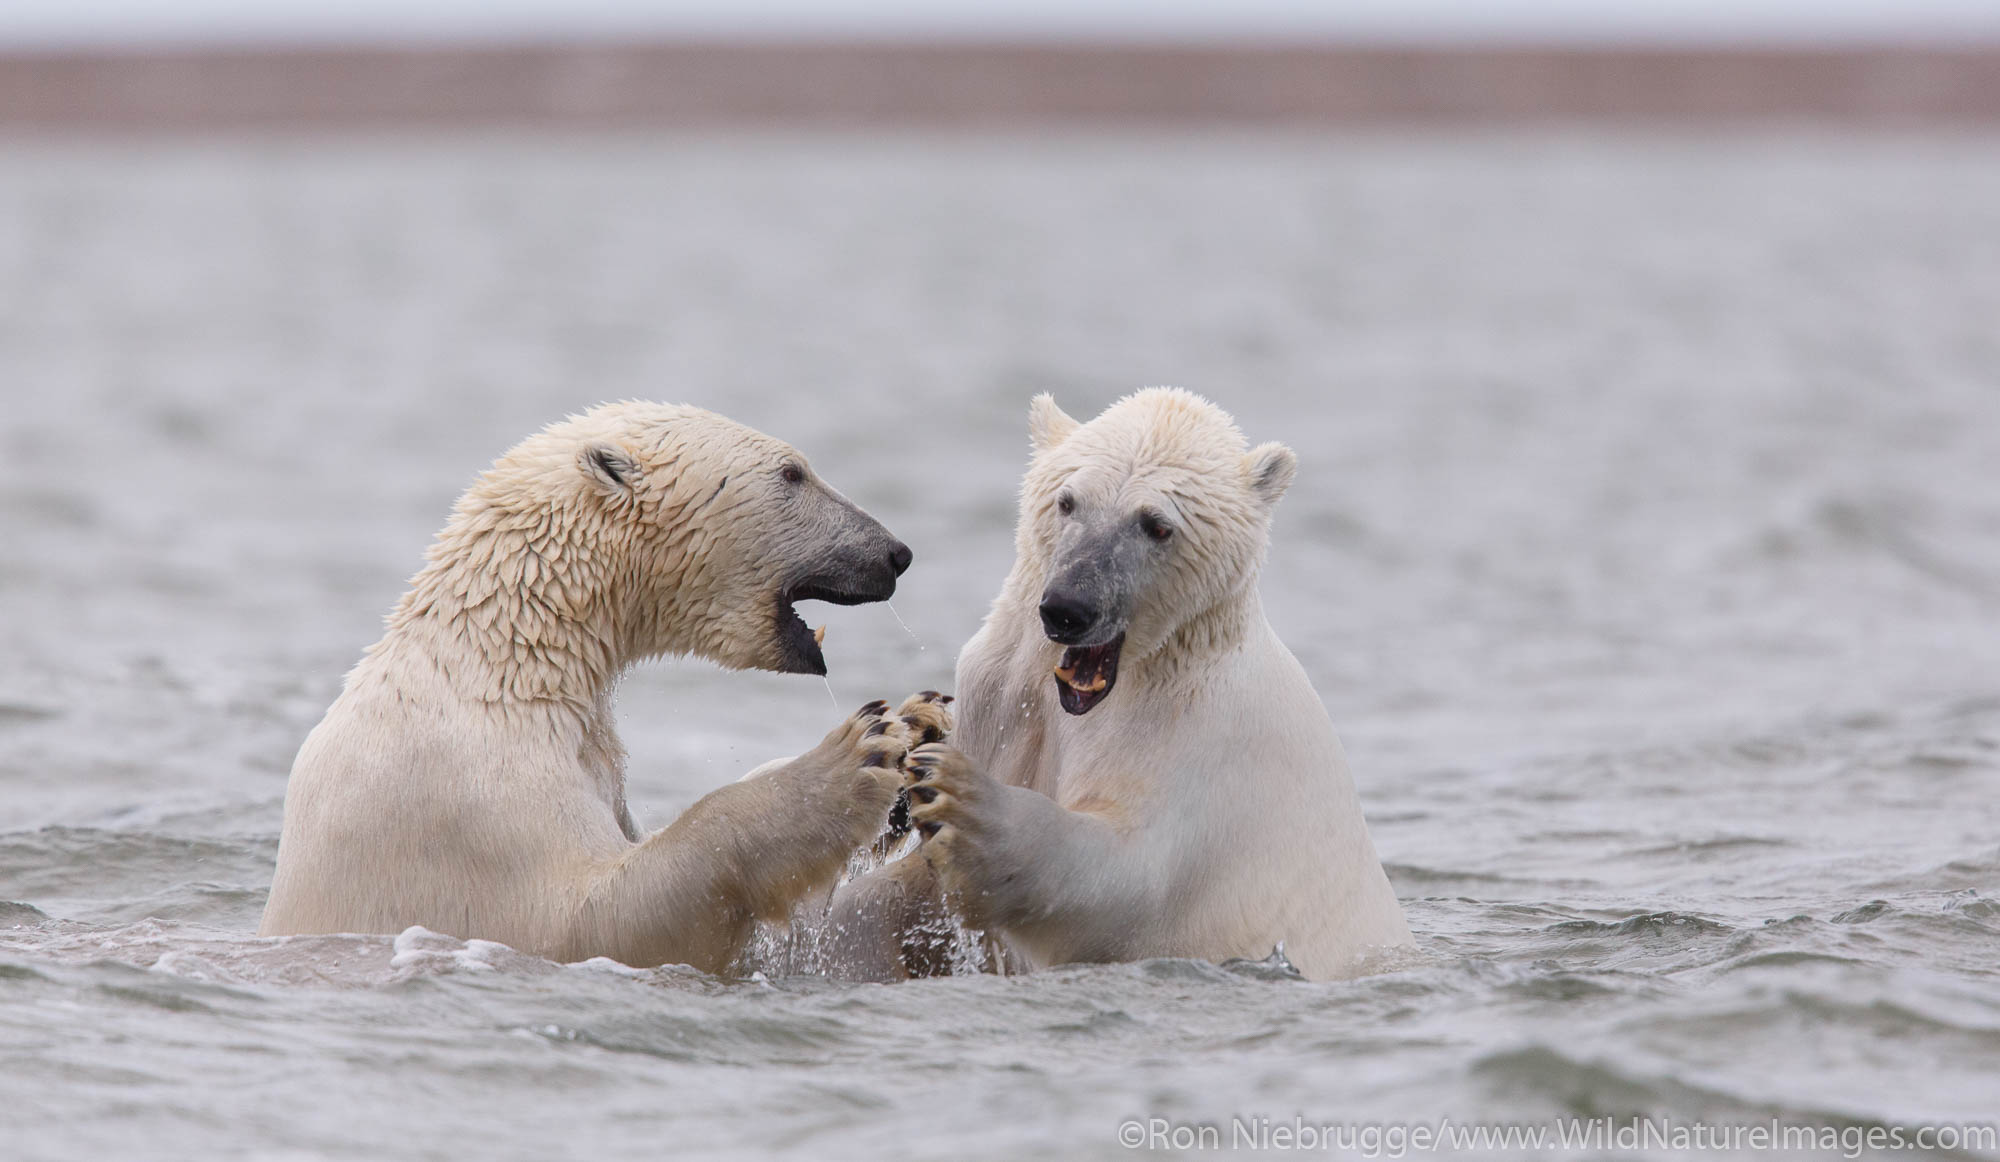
x=1645, y=550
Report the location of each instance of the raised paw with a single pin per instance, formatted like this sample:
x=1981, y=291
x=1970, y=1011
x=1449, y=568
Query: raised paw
x=810, y=814
x=870, y=733
x=865, y=755
x=924, y=717
x=943, y=787
x=961, y=813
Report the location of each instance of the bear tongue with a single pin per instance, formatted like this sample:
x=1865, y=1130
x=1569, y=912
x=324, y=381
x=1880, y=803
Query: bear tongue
x=1086, y=674
x=1082, y=669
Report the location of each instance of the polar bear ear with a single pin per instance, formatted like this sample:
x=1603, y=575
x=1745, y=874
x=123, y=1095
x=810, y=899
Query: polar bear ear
x=1048, y=425
x=610, y=467
x=1269, y=469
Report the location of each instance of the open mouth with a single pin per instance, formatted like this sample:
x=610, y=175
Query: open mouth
x=799, y=644
x=1086, y=674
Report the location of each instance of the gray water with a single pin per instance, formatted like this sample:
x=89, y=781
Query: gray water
x=1645, y=550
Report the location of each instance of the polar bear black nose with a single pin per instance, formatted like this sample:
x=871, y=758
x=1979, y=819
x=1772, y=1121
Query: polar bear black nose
x=1066, y=619
x=900, y=557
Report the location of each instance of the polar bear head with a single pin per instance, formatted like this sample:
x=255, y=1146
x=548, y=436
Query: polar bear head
x=1146, y=522
x=640, y=529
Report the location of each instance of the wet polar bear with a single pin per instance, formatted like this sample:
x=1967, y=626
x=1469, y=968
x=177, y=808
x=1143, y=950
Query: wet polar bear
x=469, y=779
x=1141, y=768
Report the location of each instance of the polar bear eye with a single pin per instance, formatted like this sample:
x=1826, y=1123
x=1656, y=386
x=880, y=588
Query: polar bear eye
x=792, y=474
x=1154, y=527
x=1065, y=504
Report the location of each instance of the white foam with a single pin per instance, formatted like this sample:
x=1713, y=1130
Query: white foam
x=419, y=949
x=606, y=964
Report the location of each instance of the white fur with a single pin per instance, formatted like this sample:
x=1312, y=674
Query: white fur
x=468, y=778
x=1204, y=808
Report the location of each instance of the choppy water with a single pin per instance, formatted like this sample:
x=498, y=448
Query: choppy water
x=1646, y=550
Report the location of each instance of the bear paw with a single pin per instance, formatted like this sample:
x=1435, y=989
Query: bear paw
x=926, y=716
x=863, y=756
x=953, y=805
x=923, y=718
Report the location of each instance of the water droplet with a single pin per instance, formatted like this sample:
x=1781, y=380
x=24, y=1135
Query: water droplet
x=905, y=625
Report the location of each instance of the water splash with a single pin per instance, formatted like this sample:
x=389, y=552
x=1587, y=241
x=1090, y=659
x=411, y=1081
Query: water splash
x=809, y=942
x=829, y=693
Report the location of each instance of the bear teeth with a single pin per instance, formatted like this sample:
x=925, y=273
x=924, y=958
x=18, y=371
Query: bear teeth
x=1067, y=675
x=819, y=636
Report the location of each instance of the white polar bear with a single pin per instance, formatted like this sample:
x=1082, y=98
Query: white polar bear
x=1141, y=767
x=468, y=779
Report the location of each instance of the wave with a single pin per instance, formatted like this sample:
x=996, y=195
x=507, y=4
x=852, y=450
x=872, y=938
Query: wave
x=1978, y=873
x=1576, y=1084
x=1894, y=528
x=209, y=955
x=118, y=876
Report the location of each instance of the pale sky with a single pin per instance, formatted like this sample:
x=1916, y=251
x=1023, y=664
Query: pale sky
x=54, y=23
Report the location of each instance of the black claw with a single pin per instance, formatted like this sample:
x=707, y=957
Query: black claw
x=930, y=695
x=929, y=829
x=946, y=699
x=875, y=707
x=922, y=794
x=878, y=728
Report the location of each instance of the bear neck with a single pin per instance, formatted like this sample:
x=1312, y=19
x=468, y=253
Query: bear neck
x=1195, y=644
x=531, y=607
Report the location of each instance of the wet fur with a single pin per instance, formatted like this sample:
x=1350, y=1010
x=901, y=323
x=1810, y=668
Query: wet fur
x=1204, y=808
x=469, y=778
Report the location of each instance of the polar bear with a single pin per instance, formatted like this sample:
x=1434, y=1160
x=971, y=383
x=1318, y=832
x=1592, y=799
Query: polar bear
x=469, y=779
x=1140, y=767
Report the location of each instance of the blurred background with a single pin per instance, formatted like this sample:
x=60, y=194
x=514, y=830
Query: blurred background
x=1641, y=359
x=302, y=63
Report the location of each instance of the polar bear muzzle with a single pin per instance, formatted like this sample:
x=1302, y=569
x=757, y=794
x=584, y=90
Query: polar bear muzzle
x=1086, y=608
x=861, y=566
x=1086, y=674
